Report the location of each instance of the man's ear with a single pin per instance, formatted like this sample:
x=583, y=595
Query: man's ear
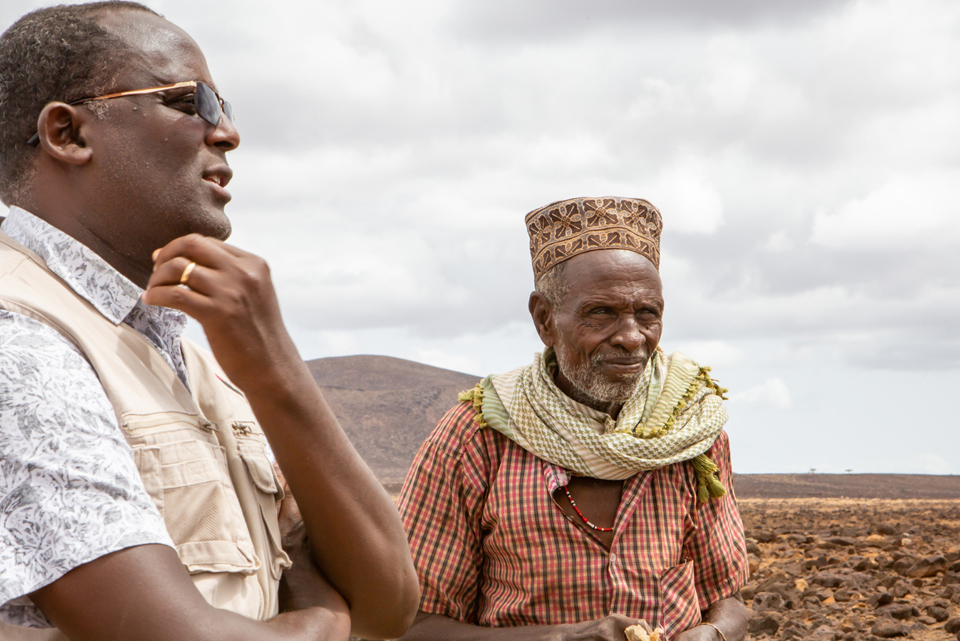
x=62, y=128
x=542, y=314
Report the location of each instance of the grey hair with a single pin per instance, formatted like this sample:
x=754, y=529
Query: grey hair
x=553, y=286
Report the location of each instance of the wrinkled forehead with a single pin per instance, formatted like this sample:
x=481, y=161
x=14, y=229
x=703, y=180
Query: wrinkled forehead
x=611, y=269
x=166, y=50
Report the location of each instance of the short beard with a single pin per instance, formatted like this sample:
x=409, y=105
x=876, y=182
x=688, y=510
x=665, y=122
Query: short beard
x=590, y=385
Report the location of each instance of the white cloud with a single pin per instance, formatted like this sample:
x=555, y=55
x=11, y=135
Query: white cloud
x=777, y=243
x=713, y=353
x=455, y=362
x=772, y=393
x=689, y=201
x=905, y=212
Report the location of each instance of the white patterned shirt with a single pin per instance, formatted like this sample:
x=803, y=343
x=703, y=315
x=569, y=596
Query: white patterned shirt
x=69, y=490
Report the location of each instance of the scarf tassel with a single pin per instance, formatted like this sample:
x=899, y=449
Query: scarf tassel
x=708, y=486
x=703, y=378
x=475, y=396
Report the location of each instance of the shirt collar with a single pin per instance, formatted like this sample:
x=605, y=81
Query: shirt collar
x=91, y=277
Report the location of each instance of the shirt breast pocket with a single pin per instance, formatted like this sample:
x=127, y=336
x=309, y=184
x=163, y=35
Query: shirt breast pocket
x=184, y=469
x=678, y=593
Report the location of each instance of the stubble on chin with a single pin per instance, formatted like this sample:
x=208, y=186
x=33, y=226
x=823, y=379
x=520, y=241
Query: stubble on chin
x=590, y=384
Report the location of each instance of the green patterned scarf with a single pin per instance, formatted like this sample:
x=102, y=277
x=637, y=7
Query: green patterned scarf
x=676, y=415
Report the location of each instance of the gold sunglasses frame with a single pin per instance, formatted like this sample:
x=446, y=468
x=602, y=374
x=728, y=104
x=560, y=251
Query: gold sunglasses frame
x=140, y=92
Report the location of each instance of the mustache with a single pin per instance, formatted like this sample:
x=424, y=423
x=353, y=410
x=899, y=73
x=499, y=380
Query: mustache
x=620, y=353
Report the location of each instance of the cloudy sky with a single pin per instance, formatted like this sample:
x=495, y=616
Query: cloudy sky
x=805, y=156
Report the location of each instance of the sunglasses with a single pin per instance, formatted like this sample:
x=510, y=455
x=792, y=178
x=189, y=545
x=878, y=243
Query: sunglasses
x=206, y=101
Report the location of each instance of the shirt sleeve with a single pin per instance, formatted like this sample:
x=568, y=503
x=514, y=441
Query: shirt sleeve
x=69, y=489
x=716, y=545
x=441, y=504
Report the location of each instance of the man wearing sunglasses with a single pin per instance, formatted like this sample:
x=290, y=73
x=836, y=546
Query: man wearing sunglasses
x=137, y=496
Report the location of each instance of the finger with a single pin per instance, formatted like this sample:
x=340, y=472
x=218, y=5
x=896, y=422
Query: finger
x=178, y=271
x=202, y=250
x=289, y=514
x=195, y=304
x=282, y=477
x=170, y=272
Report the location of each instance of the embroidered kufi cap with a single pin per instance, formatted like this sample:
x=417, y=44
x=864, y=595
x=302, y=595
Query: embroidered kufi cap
x=567, y=228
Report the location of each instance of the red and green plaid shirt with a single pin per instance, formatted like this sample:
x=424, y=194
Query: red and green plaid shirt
x=492, y=547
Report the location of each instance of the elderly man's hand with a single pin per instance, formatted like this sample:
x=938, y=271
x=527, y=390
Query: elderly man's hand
x=698, y=633
x=609, y=628
x=229, y=291
x=302, y=585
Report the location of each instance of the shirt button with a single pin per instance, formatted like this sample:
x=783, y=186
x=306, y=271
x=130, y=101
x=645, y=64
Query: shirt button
x=613, y=558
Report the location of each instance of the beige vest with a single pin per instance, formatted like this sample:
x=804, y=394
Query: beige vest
x=201, y=455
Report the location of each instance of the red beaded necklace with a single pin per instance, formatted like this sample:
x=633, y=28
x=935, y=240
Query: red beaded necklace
x=585, y=519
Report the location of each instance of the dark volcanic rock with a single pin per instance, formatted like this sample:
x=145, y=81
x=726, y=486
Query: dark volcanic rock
x=828, y=580
x=937, y=613
x=888, y=629
x=952, y=626
x=767, y=601
x=765, y=623
x=761, y=536
x=928, y=566
x=901, y=611
x=903, y=565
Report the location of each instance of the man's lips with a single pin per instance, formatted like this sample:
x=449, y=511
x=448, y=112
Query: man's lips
x=625, y=365
x=219, y=177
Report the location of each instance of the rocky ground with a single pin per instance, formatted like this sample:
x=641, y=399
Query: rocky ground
x=831, y=569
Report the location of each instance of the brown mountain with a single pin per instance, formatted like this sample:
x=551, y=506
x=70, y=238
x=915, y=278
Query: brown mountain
x=388, y=406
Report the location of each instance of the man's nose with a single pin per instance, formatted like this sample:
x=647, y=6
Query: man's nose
x=224, y=135
x=628, y=335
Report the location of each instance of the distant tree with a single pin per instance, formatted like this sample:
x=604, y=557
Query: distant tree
x=848, y=471
x=813, y=470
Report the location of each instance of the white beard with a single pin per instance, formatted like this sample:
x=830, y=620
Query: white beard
x=589, y=383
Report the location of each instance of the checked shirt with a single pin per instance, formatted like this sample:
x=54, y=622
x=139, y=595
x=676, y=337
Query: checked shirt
x=492, y=547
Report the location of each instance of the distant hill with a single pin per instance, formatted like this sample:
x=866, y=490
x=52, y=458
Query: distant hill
x=852, y=486
x=388, y=406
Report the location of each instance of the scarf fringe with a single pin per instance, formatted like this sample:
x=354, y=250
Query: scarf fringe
x=712, y=384
x=702, y=378
x=709, y=485
x=475, y=396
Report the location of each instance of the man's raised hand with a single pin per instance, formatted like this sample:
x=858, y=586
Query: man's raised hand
x=230, y=292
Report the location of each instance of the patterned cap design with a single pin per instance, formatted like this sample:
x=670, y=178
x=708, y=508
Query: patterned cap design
x=566, y=228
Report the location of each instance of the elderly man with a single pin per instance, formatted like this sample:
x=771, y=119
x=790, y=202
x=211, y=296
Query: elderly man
x=137, y=498
x=570, y=498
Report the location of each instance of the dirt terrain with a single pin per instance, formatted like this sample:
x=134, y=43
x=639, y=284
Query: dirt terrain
x=829, y=569
x=851, y=486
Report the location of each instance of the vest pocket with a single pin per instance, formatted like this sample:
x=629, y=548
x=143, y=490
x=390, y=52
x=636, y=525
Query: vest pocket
x=269, y=492
x=189, y=482
x=678, y=591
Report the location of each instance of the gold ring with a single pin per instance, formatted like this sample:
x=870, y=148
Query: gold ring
x=185, y=276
